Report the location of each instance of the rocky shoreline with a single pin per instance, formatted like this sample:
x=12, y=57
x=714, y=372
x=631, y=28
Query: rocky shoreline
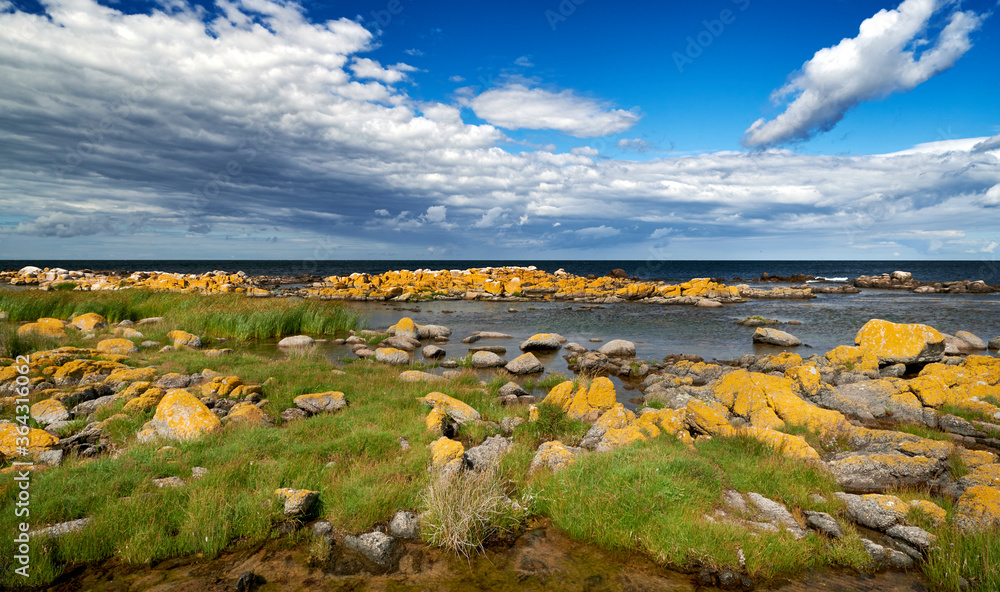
x=514, y=284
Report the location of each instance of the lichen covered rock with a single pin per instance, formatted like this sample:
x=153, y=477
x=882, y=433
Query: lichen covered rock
x=179, y=416
x=459, y=411
x=118, y=346
x=894, y=343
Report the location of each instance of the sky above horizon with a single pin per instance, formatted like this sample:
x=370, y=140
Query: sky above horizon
x=551, y=129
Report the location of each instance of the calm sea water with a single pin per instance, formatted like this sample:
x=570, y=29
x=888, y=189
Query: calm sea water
x=986, y=270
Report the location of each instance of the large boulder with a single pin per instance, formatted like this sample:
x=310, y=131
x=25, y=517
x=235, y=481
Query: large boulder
x=89, y=321
x=405, y=328
x=488, y=453
x=184, y=339
x=894, y=343
x=485, y=359
x=117, y=346
x=775, y=337
x=881, y=472
x=878, y=512
x=969, y=341
x=327, y=402
x=38, y=441
x=44, y=327
x=525, y=364
x=457, y=410
x=541, y=342
x=879, y=398
x=297, y=341
x=179, y=416
x=553, y=455
x=978, y=508
x=49, y=411
x=618, y=347
x=389, y=355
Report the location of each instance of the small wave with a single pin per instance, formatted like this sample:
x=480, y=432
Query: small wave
x=826, y=279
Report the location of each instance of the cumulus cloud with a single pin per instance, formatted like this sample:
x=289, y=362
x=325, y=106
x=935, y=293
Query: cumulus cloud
x=634, y=145
x=366, y=68
x=250, y=132
x=517, y=106
x=661, y=232
x=881, y=60
x=491, y=218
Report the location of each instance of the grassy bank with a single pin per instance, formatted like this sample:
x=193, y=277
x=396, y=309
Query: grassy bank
x=219, y=315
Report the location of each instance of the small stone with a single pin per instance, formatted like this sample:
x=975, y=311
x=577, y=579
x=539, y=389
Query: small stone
x=512, y=388
x=912, y=535
x=293, y=414
x=824, y=523
x=169, y=482
x=298, y=502
x=297, y=341
x=487, y=454
x=321, y=528
x=524, y=364
x=775, y=337
x=405, y=525
x=378, y=547
x=618, y=347
x=198, y=472
x=487, y=360
x=433, y=352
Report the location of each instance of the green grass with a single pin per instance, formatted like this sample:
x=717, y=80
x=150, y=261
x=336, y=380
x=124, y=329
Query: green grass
x=923, y=431
x=552, y=424
x=13, y=345
x=219, y=315
x=972, y=556
x=653, y=495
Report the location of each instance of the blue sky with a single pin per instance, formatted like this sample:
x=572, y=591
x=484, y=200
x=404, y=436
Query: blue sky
x=725, y=129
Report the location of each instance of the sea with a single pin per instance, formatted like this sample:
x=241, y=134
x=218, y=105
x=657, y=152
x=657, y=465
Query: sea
x=821, y=323
x=987, y=270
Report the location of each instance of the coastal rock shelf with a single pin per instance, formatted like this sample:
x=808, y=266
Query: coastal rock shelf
x=58, y=278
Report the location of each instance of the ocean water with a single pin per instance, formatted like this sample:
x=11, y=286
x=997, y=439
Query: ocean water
x=986, y=270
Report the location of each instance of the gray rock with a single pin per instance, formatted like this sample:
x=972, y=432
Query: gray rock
x=400, y=342
x=994, y=344
x=618, y=347
x=149, y=343
x=957, y=425
x=878, y=553
x=876, y=397
x=405, y=525
x=49, y=457
x=326, y=403
x=969, y=341
x=597, y=363
x=497, y=349
x=297, y=341
x=824, y=523
x=541, y=342
x=777, y=514
x=378, y=547
x=508, y=424
x=892, y=371
x=492, y=335
x=321, y=529
x=881, y=472
x=576, y=348
x=817, y=498
x=57, y=530
x=432, y=331
x=868, y=512
x=911, y=552
x=775, y=337
x=355, y=340
x=433, y=352
x=389, y=356
x=487, y=360
x=87, y=407
x=488, y=453
x=298, y=502
x=449, y=364
x=512, y=388
x=169, y=482
x=293, y=414
x=912, y=535
x=471, y=339
x=525, y=364
x=172, y=381
x=198, y=472
x=734, y=500
x=149, y=320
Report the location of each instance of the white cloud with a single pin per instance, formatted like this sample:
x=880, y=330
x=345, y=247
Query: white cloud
x=456, y=78
x=436, y=214
x=524, y=61
x=381, y=212
x=880, y=61
x=515, y=106
x=366, y=68
x=634, y=145
x=491, y=218
x=413, y=52
x=989, y=248
x=661, y=232
x=595, y=232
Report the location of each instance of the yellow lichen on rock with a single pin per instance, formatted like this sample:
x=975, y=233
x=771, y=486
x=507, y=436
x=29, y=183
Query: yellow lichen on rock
x=895, y=343
x=978, y=508
x=44, y=327
x=931, y=390
x=782, y=362
x=11, y=447
x=117, y=346
x=986, y=474
x=933, y=512
x=459, y=411
x=84, y=370
x=553, y=455
x=599, y=397
x=179, y=416
x=184, y=339
x=405, y=327
x=708, y=418
x=446, y=452
x=149, y=399
x=248, y=413
x=806, y=379
x=975, y=458
x=787, y=444
x=561, y=395
x=532, y=413
x=434, y=422
x=89, y=321
x=853, y=358
x=221, y=386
